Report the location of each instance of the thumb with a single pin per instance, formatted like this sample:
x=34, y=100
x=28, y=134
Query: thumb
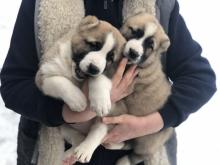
x=112, y=120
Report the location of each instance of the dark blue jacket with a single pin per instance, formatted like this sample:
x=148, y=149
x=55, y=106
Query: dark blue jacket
x=193, y=78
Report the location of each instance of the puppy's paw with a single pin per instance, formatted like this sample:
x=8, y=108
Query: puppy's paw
x=100, y=102
x=82, y=153
x=78, y=103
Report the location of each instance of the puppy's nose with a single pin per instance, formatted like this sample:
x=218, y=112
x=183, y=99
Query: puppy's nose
x=92, y=69
x=133, y=54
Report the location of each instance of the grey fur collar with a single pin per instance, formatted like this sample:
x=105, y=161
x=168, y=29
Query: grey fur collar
x=53, y=18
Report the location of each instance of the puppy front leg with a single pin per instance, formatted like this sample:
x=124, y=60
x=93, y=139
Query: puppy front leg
x=61, y=87
x=73, y=137
x=94, y=138
x=99, y=95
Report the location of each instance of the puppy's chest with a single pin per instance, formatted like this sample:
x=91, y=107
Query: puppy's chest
x=146, y=99
x=139, y=104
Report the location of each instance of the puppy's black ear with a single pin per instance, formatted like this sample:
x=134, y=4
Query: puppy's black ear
x=88, y=22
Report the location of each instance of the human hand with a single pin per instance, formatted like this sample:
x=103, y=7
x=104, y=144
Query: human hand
x=129, y=126
x=121, y=81
x=70, y=161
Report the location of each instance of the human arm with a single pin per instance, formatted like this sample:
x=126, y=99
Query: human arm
x=18, y=88
x=194, y=81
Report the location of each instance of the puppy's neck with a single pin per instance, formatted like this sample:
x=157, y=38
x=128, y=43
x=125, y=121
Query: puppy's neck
x=149, y=76
x=151, y=68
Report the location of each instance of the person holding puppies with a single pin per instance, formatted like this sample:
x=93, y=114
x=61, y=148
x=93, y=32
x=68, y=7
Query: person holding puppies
x=193, y=80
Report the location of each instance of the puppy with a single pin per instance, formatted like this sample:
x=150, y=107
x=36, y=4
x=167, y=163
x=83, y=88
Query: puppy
x=146, y=41
x=92, y=51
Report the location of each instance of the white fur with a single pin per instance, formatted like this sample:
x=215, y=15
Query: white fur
x=65, y=48
x=95, y=58
x=60, y=87
x=94, y=138
x=137, y=46
x=98, y=58
x=109, y=43
x=99, y=95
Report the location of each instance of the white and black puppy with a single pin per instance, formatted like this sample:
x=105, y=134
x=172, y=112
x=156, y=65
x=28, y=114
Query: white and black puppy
x=92, y=52
x=86, y=54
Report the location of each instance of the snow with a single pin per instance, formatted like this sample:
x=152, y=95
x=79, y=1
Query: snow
x=8, y=119
x=198, y=137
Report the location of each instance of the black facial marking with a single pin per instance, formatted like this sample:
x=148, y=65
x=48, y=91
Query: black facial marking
x=136, y=33
x=110, y=56
x=78, y=57
x=94, y=45
x=143, y=59
x=148, y=43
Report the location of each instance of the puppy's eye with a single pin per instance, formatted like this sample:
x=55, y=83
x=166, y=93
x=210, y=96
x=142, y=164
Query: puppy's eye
x=136, y=33
x=110, y=56
x=149, y=43
x=95, y=45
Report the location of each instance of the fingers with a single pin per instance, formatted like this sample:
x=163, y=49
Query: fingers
x=113, y=137
x=112, y=120
x=119, y=72
x=129, y=76
x=115, y=120
x=69, y=161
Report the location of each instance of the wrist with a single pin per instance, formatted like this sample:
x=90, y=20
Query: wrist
x=67, y=115
x=153, y=123
x=71, y=117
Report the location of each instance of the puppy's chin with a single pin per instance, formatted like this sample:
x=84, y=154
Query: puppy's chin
x=80, y=74
x=139, y=62
x=77, y=74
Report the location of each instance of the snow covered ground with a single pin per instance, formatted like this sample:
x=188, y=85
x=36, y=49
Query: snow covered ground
x=8, y=119
x=198, y=137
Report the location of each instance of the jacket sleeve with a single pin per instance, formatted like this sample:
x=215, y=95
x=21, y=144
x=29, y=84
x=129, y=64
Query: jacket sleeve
x=18, y=88
x=193, y=80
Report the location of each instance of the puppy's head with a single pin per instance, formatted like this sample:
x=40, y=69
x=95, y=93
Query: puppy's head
x=95, y=46
x=145, y=38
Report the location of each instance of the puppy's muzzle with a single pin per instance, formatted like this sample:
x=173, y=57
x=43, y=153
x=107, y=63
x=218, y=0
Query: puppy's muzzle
x=133, y=54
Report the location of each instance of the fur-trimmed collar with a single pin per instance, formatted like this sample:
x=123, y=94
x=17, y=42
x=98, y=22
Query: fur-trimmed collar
x=54, y=18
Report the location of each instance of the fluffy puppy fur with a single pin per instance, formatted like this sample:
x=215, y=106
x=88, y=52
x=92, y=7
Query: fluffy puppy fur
x=146, y=41
x=92, y=52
